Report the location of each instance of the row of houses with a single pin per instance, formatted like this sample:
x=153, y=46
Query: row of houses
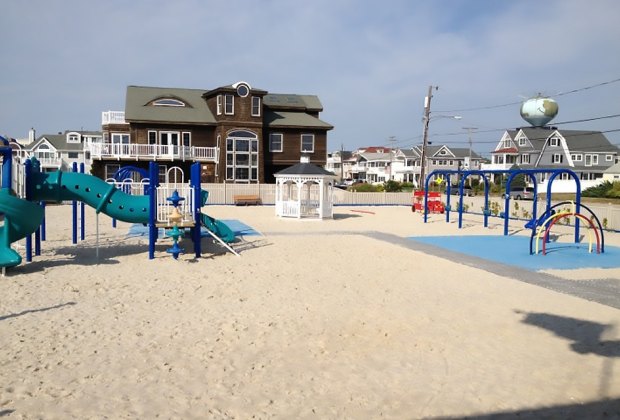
x=587, y=153
x=380, y=164
x=242, y=134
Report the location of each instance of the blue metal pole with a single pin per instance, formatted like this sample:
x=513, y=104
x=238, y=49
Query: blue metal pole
x=195, y=183
x=82, y=206
x=74, y=214
x=28, y=170
x=153, y=182
x=425, y=208
x=43, y=224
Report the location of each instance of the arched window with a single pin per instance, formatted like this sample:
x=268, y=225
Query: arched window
x=242, y=156
x=168, y=102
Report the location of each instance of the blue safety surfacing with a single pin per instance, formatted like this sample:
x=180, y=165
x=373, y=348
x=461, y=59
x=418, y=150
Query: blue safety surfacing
x=239, y=229
x=515, y=251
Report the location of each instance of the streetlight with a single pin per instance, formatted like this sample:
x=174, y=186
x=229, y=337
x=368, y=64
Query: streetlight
x=469, y=165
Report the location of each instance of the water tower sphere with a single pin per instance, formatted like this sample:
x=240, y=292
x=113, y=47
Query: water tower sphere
x=539, y=111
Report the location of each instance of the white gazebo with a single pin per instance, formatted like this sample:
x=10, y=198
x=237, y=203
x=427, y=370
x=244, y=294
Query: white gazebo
x=305, y=191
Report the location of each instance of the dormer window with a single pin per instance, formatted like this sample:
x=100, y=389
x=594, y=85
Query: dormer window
x=168, y=102
x=73, y=138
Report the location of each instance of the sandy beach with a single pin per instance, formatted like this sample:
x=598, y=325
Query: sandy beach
x=316, y=319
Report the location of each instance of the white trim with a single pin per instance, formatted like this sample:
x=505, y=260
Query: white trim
x=232, y=104
x=271, y=149
x=258, y=106
x=171, y=102
x=73, y=133
x=218, y=106
x=301, y=141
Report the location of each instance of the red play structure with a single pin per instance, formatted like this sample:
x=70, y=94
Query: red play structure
x=434, y=202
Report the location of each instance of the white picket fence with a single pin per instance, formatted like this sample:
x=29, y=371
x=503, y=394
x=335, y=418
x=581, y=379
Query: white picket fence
x=223, y=194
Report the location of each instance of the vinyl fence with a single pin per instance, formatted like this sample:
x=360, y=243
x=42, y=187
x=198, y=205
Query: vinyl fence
x=222, y=194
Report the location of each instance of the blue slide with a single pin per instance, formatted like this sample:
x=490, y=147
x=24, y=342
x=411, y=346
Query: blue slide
x=217, y=227
x=21, y=218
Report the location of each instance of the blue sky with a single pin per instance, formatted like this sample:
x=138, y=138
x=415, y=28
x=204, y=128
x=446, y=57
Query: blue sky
x=370, y=63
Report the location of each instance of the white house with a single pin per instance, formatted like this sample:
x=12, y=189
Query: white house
x=60, y=151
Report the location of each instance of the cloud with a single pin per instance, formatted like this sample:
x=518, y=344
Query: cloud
x=371, y=64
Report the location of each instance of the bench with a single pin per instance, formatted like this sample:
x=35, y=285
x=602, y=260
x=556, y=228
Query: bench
x=245, y=200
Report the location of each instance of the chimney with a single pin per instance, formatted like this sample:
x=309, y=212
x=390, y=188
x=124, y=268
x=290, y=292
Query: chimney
x=31, y=135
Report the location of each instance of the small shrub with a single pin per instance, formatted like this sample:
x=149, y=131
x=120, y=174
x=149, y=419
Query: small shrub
x=392, y=186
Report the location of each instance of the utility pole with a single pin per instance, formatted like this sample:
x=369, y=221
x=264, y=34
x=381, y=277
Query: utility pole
x=341, y=162
x=469, y=130
x=392, y=139
x=427, y=118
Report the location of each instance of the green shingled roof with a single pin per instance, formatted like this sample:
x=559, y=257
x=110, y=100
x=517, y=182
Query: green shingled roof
x=301, y=102
x=138, y=98
x=293, y=119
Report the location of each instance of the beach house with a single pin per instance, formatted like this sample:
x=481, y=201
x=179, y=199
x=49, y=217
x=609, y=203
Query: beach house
x=238, y=133
x=59, y=151
x=588, y=153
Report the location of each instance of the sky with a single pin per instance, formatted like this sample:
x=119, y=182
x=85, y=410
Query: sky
x=371, y=63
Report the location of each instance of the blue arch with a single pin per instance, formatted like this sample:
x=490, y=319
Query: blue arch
x=531, y=173
x=126, y=171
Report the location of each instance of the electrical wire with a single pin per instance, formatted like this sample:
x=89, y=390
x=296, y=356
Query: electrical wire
x=519, y=102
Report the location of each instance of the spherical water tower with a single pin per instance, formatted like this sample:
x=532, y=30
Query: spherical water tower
x=538, y=111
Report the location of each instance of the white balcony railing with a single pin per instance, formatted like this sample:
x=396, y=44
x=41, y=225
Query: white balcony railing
x=113, y=117
x=48, y=161
x=151, y=152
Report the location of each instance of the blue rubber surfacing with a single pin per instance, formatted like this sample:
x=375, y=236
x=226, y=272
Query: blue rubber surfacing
x=239, y=229
x=515, y=251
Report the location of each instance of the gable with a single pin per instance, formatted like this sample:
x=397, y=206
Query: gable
x=443, y=151
x=43, y=144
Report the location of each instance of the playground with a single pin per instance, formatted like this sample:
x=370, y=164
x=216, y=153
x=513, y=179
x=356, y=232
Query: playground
x=169, y=210
x=309, y=309
x=412, y=315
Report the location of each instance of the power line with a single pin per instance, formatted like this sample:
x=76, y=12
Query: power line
x=519, y=102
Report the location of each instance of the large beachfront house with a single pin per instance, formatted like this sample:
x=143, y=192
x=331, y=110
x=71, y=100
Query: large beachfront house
x=238, y=133
x=587, y=153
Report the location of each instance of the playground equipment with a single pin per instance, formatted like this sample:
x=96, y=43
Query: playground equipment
x=545, y=222
x=23, y=216
x=432, y=200
x=175, y=218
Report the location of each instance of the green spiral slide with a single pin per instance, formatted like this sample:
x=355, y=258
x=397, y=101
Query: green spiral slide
x=21, y=218
x=103, y=197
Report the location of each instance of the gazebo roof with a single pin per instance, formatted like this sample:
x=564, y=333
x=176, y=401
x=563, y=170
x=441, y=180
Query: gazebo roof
x=305, y=169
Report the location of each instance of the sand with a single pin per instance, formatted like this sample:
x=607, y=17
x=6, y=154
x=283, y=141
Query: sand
x=316, y=319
